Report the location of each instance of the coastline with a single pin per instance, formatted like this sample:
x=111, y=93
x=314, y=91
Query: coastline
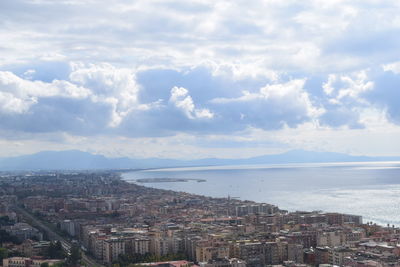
x=380, y=208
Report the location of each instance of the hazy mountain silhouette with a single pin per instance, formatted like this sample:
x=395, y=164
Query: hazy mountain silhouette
x=78, y=160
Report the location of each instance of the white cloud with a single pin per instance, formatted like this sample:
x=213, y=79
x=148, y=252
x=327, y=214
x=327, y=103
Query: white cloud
x=285, y=96
x=11, y=104
x=329, y=85
x=158, y=33
x=354, y=86
x=18, y=94
x=345, y=99
x=393, y=67
x=111, y=85
x=232, y=66
x=347, y=86
x=181, y=99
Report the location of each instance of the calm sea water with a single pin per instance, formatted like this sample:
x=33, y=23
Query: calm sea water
x=368, y=189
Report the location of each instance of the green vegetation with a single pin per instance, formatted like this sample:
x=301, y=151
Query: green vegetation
x=5, y=221
x=3, y=254
x=74, y=257
x=6, y=237
x=55, y=251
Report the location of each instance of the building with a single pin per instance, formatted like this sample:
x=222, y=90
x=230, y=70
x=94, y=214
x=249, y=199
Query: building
x=356, y=219
x=160, y=246
x=24, y=231
x=31, y=248
x=256, y=209
x=224, y=263
x=137, y=245
x=182, y=263
x=209, y=253
x=27, y=262
x=260, y=254
x=321, y=255
x=68, y=226
x=112, y=248
x=337, y=255
x=295, y=253
x=330, y=239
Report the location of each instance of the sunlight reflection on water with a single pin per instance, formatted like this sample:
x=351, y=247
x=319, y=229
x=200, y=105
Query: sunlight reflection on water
x=368, y=189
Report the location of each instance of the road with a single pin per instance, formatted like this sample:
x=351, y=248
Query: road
x=52, y=235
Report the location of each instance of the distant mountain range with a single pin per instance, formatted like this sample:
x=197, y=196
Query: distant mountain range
x=78, y=160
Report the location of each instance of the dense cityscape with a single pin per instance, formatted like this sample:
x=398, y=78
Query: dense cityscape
x=97, y=219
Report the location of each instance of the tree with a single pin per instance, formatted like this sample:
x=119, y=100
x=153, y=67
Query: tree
x=44, y=264
x=3, y=254
x=74, y=257
x=55, y=251
x=59, y=265
x=6, y=237
x=5, y=220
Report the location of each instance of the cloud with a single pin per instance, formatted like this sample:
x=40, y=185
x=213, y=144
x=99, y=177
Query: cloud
x=343, y=100
x=274, y=106
x=387, y=92
x=60, y=105
x=11, y=104
x=183, y=101
x=293, y=35
x=393, y=67
x=104, y=99
x=18, y=94
x=147, y=68
x=110, y=85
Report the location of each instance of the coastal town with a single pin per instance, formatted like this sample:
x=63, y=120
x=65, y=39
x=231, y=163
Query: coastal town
x=98, y=219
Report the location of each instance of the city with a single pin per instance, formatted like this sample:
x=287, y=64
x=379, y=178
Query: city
x=115, y=223
x=199, y=133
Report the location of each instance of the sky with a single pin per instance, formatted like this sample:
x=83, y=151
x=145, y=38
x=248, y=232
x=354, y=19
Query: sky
x=200, y=78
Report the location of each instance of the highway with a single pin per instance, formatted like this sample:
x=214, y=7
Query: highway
x=53, y=236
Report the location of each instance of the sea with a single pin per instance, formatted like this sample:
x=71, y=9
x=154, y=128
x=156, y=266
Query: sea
x=369, y=189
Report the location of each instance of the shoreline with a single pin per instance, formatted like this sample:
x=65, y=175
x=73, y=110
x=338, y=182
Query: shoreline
x=238, y=201
x=366, y=218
